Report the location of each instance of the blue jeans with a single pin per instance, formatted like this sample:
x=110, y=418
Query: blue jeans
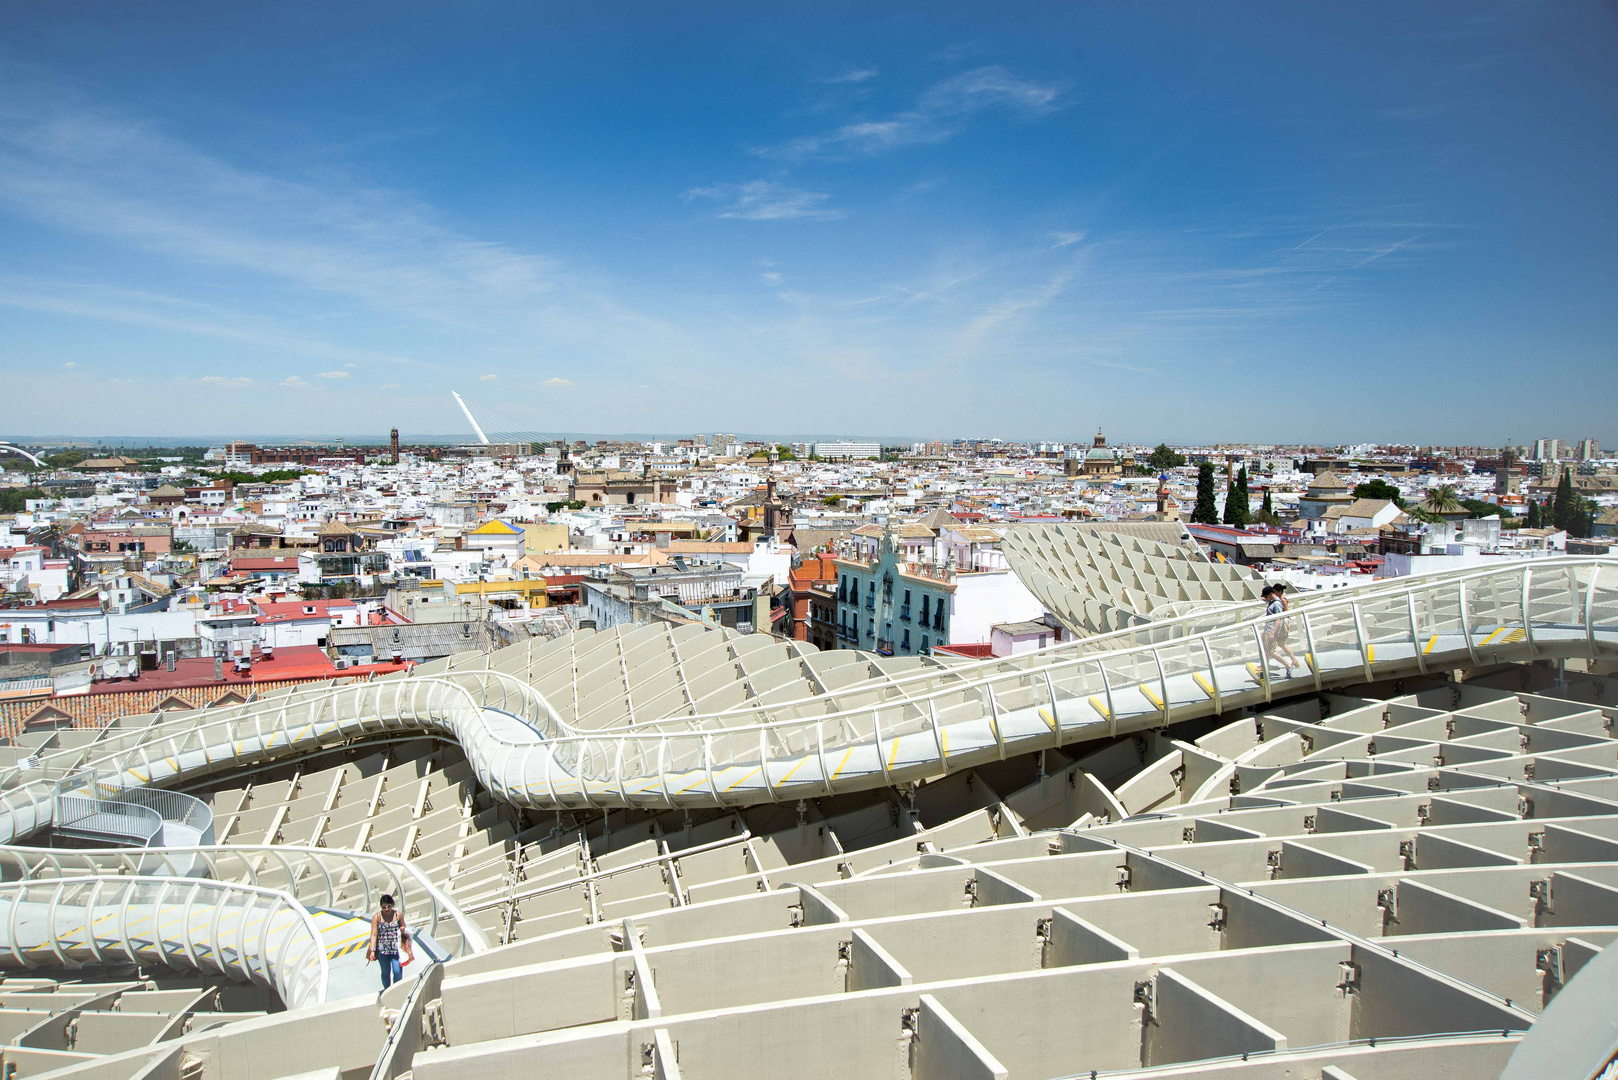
x=391, y=971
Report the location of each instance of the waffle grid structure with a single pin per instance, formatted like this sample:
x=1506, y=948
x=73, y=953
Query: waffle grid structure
x=668, y=851
x=1097, y=581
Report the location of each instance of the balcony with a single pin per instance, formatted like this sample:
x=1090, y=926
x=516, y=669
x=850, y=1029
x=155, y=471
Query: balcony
x=904, y=613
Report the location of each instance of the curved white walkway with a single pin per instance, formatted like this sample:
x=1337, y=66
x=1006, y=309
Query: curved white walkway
x=863, y=735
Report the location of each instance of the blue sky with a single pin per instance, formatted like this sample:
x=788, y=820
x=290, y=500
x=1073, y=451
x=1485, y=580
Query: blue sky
x=1183, y=221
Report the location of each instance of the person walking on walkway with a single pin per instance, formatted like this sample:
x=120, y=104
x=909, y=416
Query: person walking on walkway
x=1275, y=646
x=389, y=935
x=1277, y=630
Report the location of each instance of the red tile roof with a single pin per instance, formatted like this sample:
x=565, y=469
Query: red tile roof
x=292, y=662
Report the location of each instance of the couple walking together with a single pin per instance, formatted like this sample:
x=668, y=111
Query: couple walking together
x=1275, y=632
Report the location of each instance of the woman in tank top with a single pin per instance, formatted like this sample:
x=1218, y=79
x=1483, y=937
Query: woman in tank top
x=389, y=936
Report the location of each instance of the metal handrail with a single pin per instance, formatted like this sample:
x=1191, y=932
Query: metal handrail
x=593, y=769
x=249, y=934
x=315, y=877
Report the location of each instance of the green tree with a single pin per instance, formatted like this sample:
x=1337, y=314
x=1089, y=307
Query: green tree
x=1205, y=512
x=1164, y=458
x=1583, y=520
x=1479, y=509
x=1534, y=518
x=1238, y=508
x=12, y=500
x=1564, y=506
x=1442, y=500
x=1380, y=489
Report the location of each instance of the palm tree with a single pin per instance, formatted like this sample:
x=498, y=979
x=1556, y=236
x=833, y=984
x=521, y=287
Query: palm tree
x=1443, y=500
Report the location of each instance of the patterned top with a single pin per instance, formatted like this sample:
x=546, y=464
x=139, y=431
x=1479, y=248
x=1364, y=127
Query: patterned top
x=387, y=935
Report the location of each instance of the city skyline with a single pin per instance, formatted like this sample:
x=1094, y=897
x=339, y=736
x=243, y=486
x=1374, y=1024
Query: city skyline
x=1196, y=223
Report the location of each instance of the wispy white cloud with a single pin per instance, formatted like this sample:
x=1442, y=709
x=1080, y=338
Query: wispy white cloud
x=158, y=311
x=491, y=377
x=938, y=114
x=324, y=243
x=333, y=375
x=1065, y=239
x=293, y=382
x=771, y=278
x=223, y=380
x=764, y=200
x=856, y=75
x=557, y=382
x=1125, y=367
x=391, y=386
x=70, y=364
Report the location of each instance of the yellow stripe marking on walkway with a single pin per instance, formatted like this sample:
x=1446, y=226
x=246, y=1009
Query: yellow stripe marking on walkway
x=1257, y=675
x=1100, y=706
x=743, y=777
x=1370, y=654
x=1207, y=687
x=846, y=755
x=1050, y=721
x=792, y=770
x=1146, y=692
x=894, y=753
x=944, y=738
x=1490, y=639
x=1514, y=637
x=1430, y=643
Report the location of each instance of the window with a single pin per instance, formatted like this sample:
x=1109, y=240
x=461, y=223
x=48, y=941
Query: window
x=938, y=615
x=926, y=600
x=842, y=589
x=905, y=644
x=853, y=591
x=870, y=627
x=924, y=643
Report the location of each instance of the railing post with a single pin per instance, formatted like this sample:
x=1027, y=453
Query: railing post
x=1106, y=688
x=820, y=749
x=1309, y=643
x=1213, y=676
x=1359, y=637
x=1415, y=634
x=1589, y=609
x=938, y=738
x=994, y=719
x=91, y=922
x=707, y=759
x=1163, y=683
x=1263, y=664
x=50, y=924
x=1056, y=721
x=764, y=760
x=876, y=744
x=1466, y=626
x=1527, y=618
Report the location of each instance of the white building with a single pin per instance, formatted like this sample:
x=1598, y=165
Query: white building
x=848, y=450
